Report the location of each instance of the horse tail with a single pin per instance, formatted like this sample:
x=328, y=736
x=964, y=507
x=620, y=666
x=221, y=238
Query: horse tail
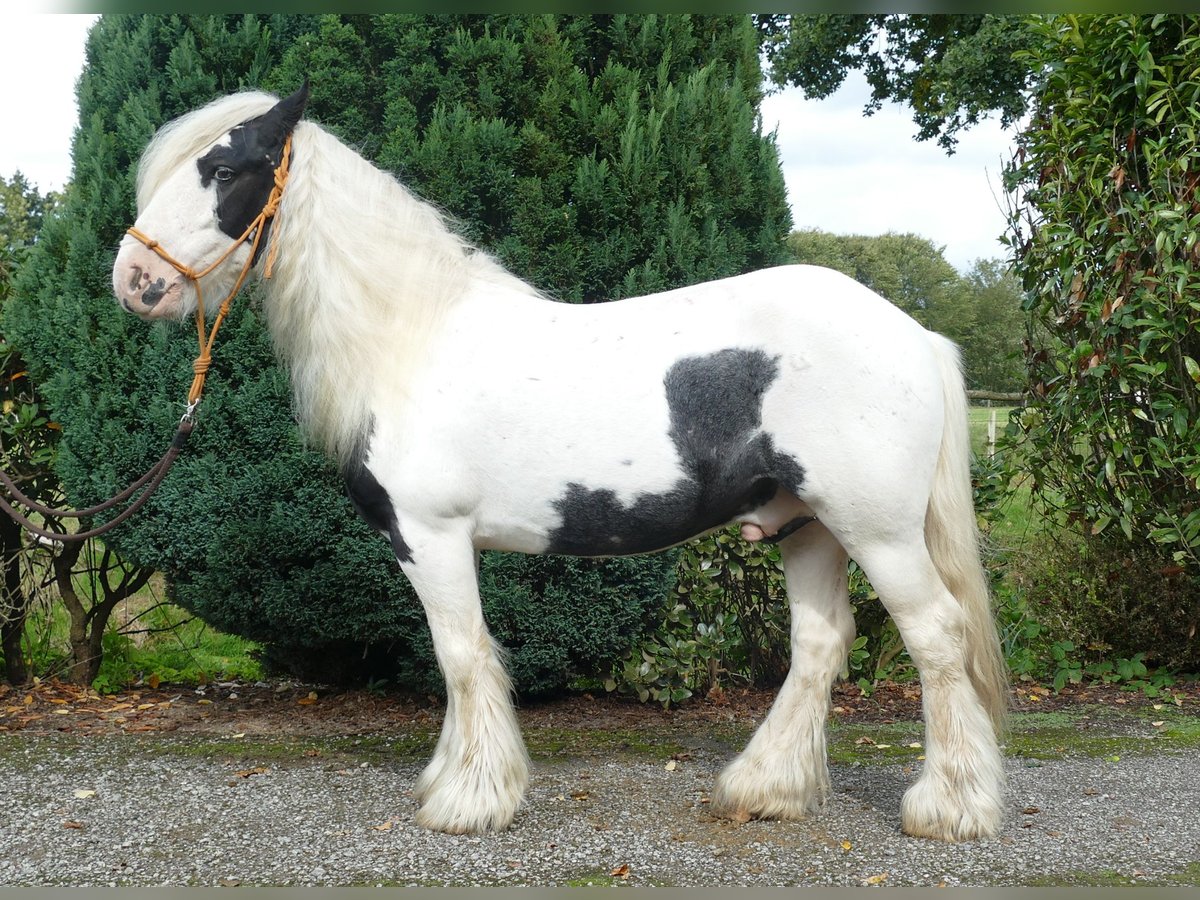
x=952, y=536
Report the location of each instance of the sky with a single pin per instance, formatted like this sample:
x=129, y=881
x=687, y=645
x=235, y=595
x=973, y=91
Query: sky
x=846, y=173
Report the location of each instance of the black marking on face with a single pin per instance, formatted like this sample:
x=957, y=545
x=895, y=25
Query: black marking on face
x=243, y=169
x=730, y=465
x=374, y=505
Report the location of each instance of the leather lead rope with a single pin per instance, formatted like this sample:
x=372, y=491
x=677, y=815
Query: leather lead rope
x=149, y=482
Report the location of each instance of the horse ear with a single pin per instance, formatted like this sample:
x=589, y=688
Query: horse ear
x=269, y=130
x=291, y=108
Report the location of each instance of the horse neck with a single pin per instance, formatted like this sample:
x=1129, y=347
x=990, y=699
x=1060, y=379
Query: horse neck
x=364, y=279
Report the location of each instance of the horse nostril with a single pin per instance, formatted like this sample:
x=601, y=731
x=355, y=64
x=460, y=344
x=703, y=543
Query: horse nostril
x=135, y=278
x=155, y=292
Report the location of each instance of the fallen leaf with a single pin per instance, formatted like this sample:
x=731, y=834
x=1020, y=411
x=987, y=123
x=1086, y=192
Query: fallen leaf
x=1031, y=810
x=915, y=745
x=153, y=681
x=864, y=740
x=72, y=824
x=384, y=826
x=741, y=817
x=670, y=766
x=257, y=770
x=29, y=699
x=240, y=734
x=620, y=872
x=876, y=879
x=846, y=845
x=883, y=746
x=1158, y=724
x=581, y=795
x=83, y=794
x=142, y=706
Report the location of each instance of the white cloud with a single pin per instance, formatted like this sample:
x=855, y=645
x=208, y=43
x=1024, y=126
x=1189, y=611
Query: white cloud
x=854, y=174
x=41, y=56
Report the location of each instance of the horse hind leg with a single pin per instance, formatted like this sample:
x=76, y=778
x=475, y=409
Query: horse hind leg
x=479, y=771
x=782, y=773
x=959, y=794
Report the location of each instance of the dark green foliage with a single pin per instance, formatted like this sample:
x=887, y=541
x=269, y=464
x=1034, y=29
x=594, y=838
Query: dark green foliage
x=1106, y=242
x=1114, y=603
x=27, y=436
x=597, y=156
x=953, y=70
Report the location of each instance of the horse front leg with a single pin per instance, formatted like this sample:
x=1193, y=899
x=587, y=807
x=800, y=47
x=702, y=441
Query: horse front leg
x=479, y=770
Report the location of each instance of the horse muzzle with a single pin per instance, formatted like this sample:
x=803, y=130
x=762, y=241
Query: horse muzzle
x=147, y=286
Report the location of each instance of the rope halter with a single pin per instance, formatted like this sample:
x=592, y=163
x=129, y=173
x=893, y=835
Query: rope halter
x=253, y=234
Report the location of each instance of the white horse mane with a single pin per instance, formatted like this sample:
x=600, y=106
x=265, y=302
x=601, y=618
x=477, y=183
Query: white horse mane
x=364, y=275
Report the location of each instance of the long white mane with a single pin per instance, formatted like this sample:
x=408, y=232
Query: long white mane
x=364, y=274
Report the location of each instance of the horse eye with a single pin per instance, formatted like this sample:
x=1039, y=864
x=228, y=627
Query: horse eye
x=223, y=173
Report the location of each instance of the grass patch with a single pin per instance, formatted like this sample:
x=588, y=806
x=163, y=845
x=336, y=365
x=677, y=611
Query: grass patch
x=1189, y=876
x=877, y=745
x=554, y=742
x=145, y=638
x=1060, y=735
x=1094, y=732
x=167, y=642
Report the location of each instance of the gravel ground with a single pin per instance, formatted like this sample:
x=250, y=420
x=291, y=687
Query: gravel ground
x=187, y=810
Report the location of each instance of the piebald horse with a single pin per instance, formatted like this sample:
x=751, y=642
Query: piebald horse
x=467, y=411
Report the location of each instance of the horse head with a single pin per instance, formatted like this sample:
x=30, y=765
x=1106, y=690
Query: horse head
x=190, y=216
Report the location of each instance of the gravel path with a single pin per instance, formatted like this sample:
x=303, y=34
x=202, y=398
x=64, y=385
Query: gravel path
x=183, y=810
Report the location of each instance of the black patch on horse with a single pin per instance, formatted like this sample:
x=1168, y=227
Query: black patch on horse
x=731, y=466
x=244, y=170
x=374, y=505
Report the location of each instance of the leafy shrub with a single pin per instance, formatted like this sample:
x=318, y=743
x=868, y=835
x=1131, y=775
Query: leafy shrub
x=730, y=625
x=1105, y=237
x=1111, y=601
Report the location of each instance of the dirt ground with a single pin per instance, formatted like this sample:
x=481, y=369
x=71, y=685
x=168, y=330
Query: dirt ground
x=285, y=707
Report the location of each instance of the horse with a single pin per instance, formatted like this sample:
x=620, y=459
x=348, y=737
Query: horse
x=467, y=411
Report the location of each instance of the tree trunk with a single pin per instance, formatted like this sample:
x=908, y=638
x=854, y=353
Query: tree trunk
x=15, y=606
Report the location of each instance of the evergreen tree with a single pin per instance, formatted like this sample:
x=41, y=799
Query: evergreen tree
x=598, y=156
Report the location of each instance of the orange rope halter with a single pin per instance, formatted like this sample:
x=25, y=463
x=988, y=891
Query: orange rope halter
x=204, y=360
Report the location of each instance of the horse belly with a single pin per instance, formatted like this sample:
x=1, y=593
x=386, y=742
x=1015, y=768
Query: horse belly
x=656, y=467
